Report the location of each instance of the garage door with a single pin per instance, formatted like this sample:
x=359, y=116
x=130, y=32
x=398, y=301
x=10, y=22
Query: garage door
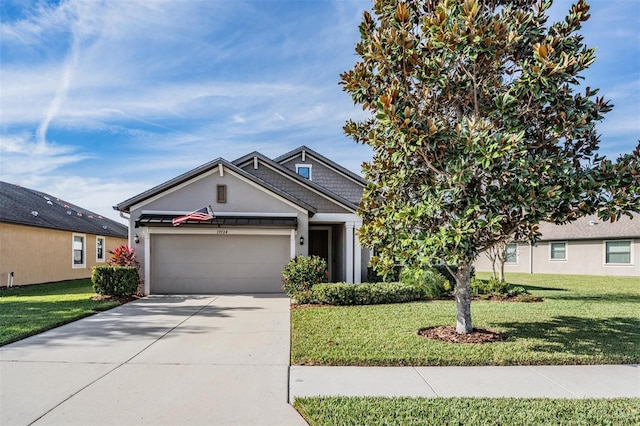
x=211, y=264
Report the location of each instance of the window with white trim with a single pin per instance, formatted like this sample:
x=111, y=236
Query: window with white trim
x=558, y=251
x=511, y=254
x=304, y=170
x=617, y=252
x=100, y=245
x=78, y=251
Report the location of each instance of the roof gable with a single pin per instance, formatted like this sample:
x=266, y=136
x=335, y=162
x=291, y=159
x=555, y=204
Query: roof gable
x=304, y=150
x=205, y=169
x=26, y=206
x=296, y=179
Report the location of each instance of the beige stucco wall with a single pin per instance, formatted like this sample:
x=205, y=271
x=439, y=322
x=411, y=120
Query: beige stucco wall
x=40, y=255
x=585, y=257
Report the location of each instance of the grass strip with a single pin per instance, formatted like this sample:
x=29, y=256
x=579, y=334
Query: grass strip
x=320, y=411
x=29, y=310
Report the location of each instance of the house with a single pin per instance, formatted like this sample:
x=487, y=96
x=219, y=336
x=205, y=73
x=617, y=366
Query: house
x=266, y=211
x=586, y=246
x=45, y=239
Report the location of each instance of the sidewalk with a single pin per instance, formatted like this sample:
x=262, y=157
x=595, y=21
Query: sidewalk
x=570, y=381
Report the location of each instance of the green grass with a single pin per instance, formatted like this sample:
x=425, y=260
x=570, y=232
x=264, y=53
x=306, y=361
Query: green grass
x=467, y=411
x=25, y=311
x=582, y=320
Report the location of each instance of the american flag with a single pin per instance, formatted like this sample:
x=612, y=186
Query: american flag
x=199, y=215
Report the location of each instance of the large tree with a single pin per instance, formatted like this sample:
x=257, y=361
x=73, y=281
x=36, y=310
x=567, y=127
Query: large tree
x=480, y=130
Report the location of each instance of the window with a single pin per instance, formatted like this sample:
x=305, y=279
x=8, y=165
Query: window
x=511, y=254
x=221, y=193
x=618, y=252
x=304, y=170
x=100, y=249
x=78, y=251
x=558, y=251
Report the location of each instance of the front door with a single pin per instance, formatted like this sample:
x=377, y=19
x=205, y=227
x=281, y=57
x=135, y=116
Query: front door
x=320, y=245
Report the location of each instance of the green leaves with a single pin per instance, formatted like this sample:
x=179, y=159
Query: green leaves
x=478, y=128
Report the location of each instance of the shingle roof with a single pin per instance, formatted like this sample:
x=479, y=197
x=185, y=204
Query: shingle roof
x=590, y=227
x=322, y=159
x=26, y=206
x=126, y=205
x=295, y=177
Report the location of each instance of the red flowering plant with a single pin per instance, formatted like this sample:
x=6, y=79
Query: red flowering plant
x=302, y=273
x=124, y=255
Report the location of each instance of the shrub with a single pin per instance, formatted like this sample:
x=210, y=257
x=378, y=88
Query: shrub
x=302, y=273
x=124, y=255
x=115, y=280
x=495, y=287
x=429, y=282
x=358, y=294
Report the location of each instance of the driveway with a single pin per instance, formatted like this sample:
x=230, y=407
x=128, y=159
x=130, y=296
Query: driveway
x=171, y=360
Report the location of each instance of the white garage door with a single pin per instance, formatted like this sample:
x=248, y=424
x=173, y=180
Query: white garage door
x=211, y=264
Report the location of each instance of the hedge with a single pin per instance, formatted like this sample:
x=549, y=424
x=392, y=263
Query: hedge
x=358, y=294
x=115, y=280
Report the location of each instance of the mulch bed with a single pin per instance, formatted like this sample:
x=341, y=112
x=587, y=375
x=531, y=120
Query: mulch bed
x=121, y=299
x=449, y=334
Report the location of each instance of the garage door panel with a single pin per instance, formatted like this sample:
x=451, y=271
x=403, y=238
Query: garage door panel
x=217, y=263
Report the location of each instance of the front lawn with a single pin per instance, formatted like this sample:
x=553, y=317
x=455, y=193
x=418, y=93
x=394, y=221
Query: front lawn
x=319, y=411
x=582, y=320
x=25, y=311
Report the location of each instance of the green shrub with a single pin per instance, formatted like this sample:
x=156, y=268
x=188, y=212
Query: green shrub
x=124, y=255
x=358, y=294
x=302, y=273
x=304, y=297
x=429, y=282
x=115, y=280
x=495, y=287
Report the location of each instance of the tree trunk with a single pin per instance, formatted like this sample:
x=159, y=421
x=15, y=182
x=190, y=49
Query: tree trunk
x=463, y=299
x=501, y=277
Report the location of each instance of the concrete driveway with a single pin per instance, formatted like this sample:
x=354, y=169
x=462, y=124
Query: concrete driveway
x=171, y=360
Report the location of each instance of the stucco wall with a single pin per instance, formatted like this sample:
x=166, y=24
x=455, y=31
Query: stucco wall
x=582, y=257
x=40, y=255
x=242, y=196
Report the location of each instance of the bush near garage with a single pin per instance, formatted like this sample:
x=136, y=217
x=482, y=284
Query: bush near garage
x=123, y=255
x=302, y=273
x=115, y=280
x=342, y=294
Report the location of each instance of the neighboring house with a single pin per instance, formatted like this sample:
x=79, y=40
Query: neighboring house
x=45, y=239
x=586, y=246
x=266, y=212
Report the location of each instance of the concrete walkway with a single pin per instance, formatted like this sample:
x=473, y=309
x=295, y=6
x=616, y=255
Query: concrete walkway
x=589, y=381
x=159, y=360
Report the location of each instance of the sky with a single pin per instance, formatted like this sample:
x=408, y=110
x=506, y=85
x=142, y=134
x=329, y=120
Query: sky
x=102, y=100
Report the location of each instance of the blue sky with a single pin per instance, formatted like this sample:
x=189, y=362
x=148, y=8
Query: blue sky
x=101, y=100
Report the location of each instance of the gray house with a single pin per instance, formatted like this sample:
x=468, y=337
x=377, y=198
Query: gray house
x=587, y=246
x=266, y=211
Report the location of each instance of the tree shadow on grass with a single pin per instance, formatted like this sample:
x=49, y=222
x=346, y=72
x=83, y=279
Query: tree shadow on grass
x=616, y=339
x=538, y=288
